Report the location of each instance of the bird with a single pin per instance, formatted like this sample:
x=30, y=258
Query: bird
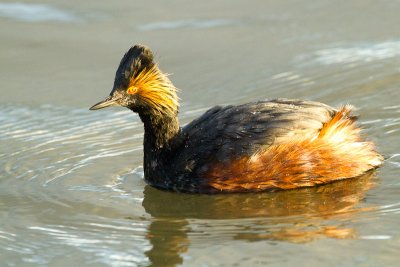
x=267, y=145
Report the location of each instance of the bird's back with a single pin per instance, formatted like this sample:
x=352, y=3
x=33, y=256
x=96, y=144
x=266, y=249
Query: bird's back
x=235, y=131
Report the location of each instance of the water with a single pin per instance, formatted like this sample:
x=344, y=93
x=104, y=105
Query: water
x=71, y=184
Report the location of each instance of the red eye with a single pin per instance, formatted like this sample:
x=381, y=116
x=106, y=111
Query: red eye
x=132, y=90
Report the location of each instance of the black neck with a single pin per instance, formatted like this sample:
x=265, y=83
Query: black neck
x=159, y=130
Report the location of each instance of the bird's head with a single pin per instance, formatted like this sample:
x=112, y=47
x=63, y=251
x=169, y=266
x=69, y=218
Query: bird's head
x=141, y=86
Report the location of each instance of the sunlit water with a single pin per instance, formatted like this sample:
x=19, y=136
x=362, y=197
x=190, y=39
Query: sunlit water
x=71, y=185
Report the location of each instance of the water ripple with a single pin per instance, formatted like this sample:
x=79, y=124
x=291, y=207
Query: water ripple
x=35, y=12
x=359, y=53
x=89, y=240
x=55, y=143
x=189, y=23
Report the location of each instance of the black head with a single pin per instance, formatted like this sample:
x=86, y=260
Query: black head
x=140, y=86
x=138, y=59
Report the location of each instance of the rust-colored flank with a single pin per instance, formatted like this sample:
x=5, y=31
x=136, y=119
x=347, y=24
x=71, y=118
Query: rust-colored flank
x=334, y=153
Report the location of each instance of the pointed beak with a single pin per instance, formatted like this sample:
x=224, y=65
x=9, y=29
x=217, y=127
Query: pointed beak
x=109, y=101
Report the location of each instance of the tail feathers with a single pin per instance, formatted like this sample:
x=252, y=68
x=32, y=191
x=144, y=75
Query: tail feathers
x=342, y=132
x=340, y=121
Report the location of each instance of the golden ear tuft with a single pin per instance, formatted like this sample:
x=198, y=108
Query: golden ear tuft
x=154, y=87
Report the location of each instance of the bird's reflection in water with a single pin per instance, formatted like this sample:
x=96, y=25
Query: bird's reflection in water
x=300, y=215
x=169, y=240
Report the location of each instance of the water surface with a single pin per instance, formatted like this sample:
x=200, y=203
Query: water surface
x=71, y=183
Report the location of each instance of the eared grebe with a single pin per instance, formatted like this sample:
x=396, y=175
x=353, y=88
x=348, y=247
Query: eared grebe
x=264, y=145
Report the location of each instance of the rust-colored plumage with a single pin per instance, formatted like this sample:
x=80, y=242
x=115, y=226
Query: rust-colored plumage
x=264, y=145
x=334, y=153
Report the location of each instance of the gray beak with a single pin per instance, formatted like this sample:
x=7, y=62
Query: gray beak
x=109, y=101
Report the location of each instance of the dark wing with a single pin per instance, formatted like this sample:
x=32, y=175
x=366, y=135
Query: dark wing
x=226, y=133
